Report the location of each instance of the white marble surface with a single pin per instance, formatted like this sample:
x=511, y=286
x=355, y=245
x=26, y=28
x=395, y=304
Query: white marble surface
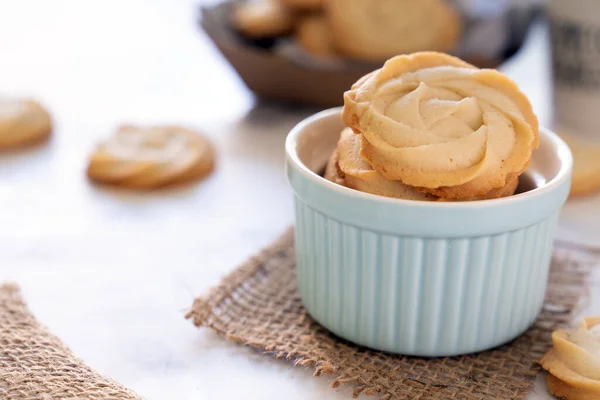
x=112, y=272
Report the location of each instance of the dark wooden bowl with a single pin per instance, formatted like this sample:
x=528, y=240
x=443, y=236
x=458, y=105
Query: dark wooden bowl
x=297, y=77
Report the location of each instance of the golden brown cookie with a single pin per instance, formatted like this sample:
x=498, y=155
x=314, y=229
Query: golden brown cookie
x=347, y=168
x=332, y=172
x=375, y=30
x=22, y=122
x=508, y=190
x=563, y=390
x=586, y=165
x=304, y=5
x=359, y=175
x=573, y=363
x=435, y=122
x=258, y=19
x=137, y=157
x=313, y=35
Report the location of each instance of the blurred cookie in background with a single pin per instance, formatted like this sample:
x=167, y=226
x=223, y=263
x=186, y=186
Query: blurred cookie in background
x=314, y=36
x=151, y=157
x=379, y=29
x=262, y=19
x=586, y=165
x=574, y=27
x=304, y=5
x=22, y=122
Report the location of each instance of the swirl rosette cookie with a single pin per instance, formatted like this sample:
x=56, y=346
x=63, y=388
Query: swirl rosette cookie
x=23, y=122
x=573, y=364
x=151, y=157
x=437, y=123
x=347, y=168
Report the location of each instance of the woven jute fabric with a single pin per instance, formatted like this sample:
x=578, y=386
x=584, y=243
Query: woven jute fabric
x=258, y=305
x=34, y=364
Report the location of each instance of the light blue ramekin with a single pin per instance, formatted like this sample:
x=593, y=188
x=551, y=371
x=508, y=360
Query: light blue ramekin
x=421, y=278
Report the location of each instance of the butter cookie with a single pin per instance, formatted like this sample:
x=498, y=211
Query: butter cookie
x=22, y=122
x=152, y=157
x=260, y=19
x=573, y=363
x=437, y=123
x=313, y=35
x=376, y=30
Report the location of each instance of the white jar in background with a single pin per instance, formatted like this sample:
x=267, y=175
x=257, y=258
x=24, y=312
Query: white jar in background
x=575, y=46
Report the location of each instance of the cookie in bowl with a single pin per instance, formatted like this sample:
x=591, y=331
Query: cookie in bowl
x=358, y=174
x=441, y=125
x=346, y=167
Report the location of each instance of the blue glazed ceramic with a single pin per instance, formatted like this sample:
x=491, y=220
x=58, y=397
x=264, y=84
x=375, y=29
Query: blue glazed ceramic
x=421, y=278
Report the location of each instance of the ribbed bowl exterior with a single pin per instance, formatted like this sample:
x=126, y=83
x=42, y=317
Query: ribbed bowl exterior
x=417, y=295
x=416, y=277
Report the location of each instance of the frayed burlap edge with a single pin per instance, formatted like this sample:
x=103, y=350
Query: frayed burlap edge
x=257, y=305
x=203, y=309
x=34, y=364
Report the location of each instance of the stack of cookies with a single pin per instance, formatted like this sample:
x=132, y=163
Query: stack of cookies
x=429, y=126
x=372, y=30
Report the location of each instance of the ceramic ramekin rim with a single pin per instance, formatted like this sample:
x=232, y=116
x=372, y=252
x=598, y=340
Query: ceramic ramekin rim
x=564, y=173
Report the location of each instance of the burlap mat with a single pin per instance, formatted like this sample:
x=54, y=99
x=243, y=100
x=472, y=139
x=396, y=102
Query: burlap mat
x=35, y=364
x=258, y=305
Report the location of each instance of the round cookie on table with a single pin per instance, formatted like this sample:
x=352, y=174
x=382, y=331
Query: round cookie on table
x=23, y=122
x=376, y=30
x=151, y=157
x=262, y=19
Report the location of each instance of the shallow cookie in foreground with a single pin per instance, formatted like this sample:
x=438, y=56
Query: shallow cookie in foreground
x=22, y=122
x=573, y=364
x=151, y=157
